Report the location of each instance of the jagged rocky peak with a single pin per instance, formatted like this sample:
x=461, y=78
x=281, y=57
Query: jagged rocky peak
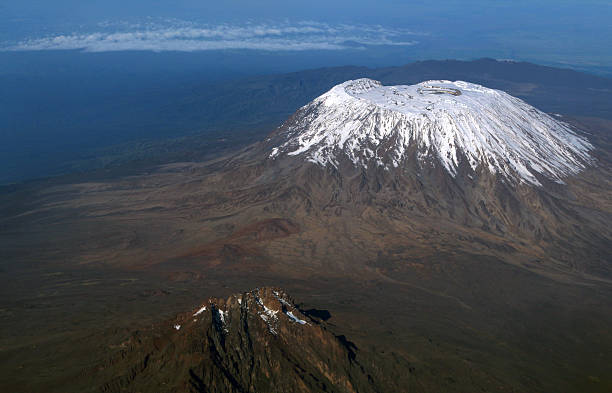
x=452, y=122
x=257, y=341
x=272, y=305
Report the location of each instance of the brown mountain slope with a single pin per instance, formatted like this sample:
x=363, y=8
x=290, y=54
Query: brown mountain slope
x=482, y=287
x=257, y=341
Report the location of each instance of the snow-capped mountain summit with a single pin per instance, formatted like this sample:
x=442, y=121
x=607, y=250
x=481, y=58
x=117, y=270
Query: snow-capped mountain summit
x=372, y=124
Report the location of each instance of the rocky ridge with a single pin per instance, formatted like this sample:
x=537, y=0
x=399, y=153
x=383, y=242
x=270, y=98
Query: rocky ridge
x=257, y=341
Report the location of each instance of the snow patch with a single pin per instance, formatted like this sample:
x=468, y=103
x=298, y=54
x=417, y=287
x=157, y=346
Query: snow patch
x=281, y=299
x=200, y=311
x=222, y=316
x=296, y=319
x=268, y=315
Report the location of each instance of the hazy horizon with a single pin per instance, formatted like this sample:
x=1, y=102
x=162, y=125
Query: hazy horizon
x=69, y=68
x=549, y=32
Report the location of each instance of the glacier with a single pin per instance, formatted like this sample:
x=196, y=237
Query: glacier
x=369, y=122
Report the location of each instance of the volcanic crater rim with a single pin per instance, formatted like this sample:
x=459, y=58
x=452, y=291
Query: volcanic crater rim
x=371, y=123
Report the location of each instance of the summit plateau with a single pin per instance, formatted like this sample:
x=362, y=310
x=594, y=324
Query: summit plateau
x=456, y=123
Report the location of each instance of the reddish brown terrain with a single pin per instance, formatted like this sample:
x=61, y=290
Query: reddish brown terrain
x=256, y=341
x=433, y=285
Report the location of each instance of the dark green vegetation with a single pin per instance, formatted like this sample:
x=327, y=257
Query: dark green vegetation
x=97, y=264
x=94, y=119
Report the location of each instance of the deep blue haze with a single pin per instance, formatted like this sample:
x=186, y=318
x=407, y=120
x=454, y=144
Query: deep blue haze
x=69, y=67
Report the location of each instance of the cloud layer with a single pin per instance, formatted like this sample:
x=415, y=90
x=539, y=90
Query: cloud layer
x=185, y=36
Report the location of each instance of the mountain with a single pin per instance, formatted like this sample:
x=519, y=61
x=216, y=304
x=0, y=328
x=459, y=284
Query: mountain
x=458, y=236
x=257, y=341
x=117, y=117
x=456, y=156
x=453, y=123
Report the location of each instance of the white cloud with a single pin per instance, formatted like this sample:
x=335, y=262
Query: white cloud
x=176, y=35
